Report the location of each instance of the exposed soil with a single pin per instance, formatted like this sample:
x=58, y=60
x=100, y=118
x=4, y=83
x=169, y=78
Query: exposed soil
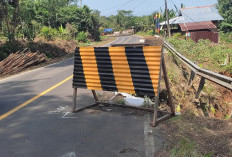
x=212, y=137
x=53, y=49
x=153, y=41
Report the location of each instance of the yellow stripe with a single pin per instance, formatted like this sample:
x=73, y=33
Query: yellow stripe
x=91, y=74
x=118, y=71
x=33, y=99
x=151, y=52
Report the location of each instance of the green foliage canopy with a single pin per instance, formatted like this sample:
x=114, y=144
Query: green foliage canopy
x=29, y=16
x=225, y=9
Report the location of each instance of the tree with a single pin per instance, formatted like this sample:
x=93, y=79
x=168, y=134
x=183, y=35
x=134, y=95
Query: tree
x=225, y=9
x=9, y=17
x=26, y=28
x=123, y=18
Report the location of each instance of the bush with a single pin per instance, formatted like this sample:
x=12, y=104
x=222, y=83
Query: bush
x=150, y=32
x=82, y=37
x=178, y=36
x=48, y=33
x=226, y=37
x=63, y=33
x=145, y=34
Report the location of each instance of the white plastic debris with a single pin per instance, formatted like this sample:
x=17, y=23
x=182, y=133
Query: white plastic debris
x=178, y=113
x=134, y=101
x=142, y=40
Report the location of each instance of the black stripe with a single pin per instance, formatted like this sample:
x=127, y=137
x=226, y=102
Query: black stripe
x=146, y=88
x=103, y=59
x=78, y=73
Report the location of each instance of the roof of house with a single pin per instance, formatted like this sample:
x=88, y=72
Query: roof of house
x=175, y=20
x=197, y=26
x=196, y=14
x=200, y=14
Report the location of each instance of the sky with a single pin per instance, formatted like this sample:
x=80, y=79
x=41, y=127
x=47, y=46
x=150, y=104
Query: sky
x=141, y=7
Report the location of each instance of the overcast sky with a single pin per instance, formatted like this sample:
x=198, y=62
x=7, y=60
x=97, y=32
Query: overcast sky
x=141, y=7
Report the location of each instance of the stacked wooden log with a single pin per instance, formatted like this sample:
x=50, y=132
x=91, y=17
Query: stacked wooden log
x=17, y=62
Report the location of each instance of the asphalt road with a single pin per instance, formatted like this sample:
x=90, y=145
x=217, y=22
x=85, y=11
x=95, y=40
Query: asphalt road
x=36, y=119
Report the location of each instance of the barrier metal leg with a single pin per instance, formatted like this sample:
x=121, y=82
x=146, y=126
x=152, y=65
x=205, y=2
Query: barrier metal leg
x=95, y=95
x=170, y=102
x=74, y=99
x=85, y=107
x=153, y=123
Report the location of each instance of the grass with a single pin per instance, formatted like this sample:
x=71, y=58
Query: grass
x=145, y=34
x=206, y=54
x=103, y=37
x=184, y=148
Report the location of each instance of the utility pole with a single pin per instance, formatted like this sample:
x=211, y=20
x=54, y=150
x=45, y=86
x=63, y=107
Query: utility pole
x=80, y=3
x=167, y=18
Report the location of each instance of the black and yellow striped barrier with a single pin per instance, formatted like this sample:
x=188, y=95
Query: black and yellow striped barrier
x=133, y=70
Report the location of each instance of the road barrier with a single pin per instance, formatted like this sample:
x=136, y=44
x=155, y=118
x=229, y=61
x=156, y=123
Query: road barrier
x=205, y=74
x=134, y=70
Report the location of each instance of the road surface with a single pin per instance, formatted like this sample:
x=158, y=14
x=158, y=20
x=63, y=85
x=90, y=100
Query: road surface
x=35, y=118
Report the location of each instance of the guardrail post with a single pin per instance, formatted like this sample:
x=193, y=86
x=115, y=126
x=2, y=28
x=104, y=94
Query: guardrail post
x=192, y=75
x=201, y=85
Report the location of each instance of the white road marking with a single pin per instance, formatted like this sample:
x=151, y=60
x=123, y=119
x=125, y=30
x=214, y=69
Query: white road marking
x=65, y=116
x=58, y=110
x=71, y=154
x=148, y=137
x=61, y=110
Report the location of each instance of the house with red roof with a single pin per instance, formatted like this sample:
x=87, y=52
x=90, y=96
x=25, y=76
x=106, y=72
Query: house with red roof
x=197, y=23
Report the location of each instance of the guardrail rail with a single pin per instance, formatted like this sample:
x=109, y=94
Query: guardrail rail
x=219, y=79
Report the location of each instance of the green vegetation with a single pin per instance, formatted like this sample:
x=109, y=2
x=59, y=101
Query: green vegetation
x=30, y=18
x=82, y=37
x=46, y=19
x=145, y=34
x=224, y=7
x=48, y=32
x=184, y=148
x=204, y=53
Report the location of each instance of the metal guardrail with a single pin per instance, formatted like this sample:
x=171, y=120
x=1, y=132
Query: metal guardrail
x=205, y=74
